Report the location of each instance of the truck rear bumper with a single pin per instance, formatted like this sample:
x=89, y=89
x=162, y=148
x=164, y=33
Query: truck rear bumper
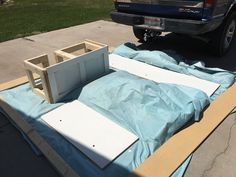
x=184, y=26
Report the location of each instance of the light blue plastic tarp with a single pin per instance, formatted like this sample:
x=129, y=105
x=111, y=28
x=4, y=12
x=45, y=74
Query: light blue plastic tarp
x=176, y=63
x=152, y=111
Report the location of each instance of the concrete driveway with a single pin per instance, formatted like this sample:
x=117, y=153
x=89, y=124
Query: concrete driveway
x=215, y=157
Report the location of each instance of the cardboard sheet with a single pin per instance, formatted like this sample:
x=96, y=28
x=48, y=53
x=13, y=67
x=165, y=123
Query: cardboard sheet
x=93, y=134
x=161, y=75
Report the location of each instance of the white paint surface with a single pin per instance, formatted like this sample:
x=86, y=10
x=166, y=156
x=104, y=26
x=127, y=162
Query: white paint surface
x=99, y=138
x=70, y=74
x=160, y=75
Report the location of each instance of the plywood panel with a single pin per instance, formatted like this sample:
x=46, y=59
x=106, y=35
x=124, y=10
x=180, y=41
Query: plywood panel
x=70, y=74
x=96, y=136
x=161, y=75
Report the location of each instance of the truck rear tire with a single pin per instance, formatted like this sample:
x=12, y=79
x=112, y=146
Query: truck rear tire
x=224, y=35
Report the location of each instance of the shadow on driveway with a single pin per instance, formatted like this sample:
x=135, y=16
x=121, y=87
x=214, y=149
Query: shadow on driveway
x=193, y=49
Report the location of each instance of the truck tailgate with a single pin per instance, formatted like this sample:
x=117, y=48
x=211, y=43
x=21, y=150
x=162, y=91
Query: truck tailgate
x=188, y=9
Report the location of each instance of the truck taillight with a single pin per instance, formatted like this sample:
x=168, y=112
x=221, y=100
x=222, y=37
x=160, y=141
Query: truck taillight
x=209, y=3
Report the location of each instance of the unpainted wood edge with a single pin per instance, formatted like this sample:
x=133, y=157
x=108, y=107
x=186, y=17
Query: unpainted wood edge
x=37, y=59
x=13, y=83
x=91, y=47
x=33, y=67
x=61, y=166
x=172, y=154
x=58, y=53
x=30, y=67
x=95, y=42
x=48, y=90
x=74, y=48
x=71, y=46
x=110, y=49
x=95, y=45
x=57, y=58
x=63, y=54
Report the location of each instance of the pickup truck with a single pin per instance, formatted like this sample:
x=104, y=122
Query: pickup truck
x=212, y=20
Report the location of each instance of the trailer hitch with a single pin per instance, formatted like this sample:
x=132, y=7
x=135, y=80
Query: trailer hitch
x=150, y=34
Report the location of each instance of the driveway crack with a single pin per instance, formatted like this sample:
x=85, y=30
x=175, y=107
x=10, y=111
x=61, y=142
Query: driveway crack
x=221, y=153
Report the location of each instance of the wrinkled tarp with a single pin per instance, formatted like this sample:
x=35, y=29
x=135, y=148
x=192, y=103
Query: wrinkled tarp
x=177, y=64
x=152, y=111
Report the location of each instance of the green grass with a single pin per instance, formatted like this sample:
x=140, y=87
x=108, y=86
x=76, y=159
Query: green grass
x=21, y=18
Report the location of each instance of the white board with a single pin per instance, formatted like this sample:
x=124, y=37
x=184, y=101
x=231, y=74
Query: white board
x=70, y=74
x=160, y=75
x=99, y=138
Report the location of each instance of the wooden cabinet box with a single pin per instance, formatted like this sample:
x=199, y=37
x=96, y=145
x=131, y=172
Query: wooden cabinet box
x=70, y=71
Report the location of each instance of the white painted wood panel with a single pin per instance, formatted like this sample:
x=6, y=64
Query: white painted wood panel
x=70, y=74
x=160, y=75
x=99, y=138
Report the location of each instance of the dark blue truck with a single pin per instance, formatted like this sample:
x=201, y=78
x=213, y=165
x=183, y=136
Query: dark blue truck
x=213, y=20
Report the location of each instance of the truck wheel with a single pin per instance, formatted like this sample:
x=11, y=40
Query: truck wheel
x=139, y=33
x=224, y=35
